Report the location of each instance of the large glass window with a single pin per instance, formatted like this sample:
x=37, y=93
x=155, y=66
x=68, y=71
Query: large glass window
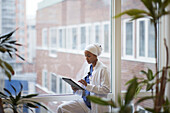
x=63, y=28
x=138, y=42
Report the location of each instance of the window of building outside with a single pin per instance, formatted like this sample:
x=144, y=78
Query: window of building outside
x=64, y=28
x=137, y=46
x=44, y=38
x=53, y=42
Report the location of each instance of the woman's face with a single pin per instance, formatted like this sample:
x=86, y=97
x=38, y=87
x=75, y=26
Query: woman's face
x=91, y=58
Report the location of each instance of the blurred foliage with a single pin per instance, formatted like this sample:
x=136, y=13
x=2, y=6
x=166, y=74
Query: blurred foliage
x=8, y=45
x=17, y=102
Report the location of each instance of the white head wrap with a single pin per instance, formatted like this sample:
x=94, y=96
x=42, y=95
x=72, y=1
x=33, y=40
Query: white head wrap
x=96, y=49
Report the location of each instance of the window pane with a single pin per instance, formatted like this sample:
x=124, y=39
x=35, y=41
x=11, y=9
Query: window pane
x=137, y=41
x=106, y=38
x=54, y=37
x=141, y=38
x=74, y=40
x=129, y=38
x=151, y=40
x=97, y=33
x=83, y=37
x=53, y=83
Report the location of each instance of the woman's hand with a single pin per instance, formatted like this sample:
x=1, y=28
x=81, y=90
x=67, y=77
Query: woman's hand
x=83, y=82
x=74, y=88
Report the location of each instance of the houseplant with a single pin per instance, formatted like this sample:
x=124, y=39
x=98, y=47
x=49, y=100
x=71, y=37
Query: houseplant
x=17, y=102
x=155, y=10
x=8, y=45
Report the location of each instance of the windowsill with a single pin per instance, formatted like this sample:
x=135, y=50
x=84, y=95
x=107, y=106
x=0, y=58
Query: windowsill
x=147, y=60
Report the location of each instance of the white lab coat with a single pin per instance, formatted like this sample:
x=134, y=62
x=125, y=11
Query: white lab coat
x=99, y=86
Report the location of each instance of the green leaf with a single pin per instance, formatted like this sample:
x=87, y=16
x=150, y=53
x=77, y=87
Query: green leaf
x=2, y=95
x=18, y=44
x=39, y=104
x=119, y=100
x=131, y=91
x=130, y=81
x=9, y=67
x=7, y=35
x=8, y=75
x=7, y=91
x=19, y=56
x=147, y=4
x=11, y=41
x=143, y=72
x=31, y=105
x=150, y=75
x=12, y=100
x=9, y=54
x=149, y=87
x=138, y=90
x=150, y=110
x=30, y=96
x=13, y=88
x=165, y=3
x=19, y=94
x=3, y=50
x=98, y=100
x=133, y=12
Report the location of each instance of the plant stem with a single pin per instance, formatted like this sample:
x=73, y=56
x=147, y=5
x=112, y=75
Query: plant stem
x=156, y=67
x=1, y=106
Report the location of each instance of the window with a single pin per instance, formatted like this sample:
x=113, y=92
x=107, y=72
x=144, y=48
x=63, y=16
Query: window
x=145, y=38
x=141, y=38
x=97, y=33
x=44, y=79
x=53, y=41
x=61, y=38
x=151, y=40
x=83, y=37
x=63, y=30
x=44, y=38
x=137, y=43
x=53, y=83
x=128, y=38
x=106, y=37
x=74, y=38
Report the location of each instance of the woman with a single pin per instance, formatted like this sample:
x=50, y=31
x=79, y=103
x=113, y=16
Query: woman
x=96, y=82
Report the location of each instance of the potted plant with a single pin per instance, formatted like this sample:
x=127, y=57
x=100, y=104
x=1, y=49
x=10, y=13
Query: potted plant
x=17, y=102
x=8, y=45
x=155, y=10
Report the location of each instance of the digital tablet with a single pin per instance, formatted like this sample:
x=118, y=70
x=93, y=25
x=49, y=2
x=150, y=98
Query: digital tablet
x=72, y=83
